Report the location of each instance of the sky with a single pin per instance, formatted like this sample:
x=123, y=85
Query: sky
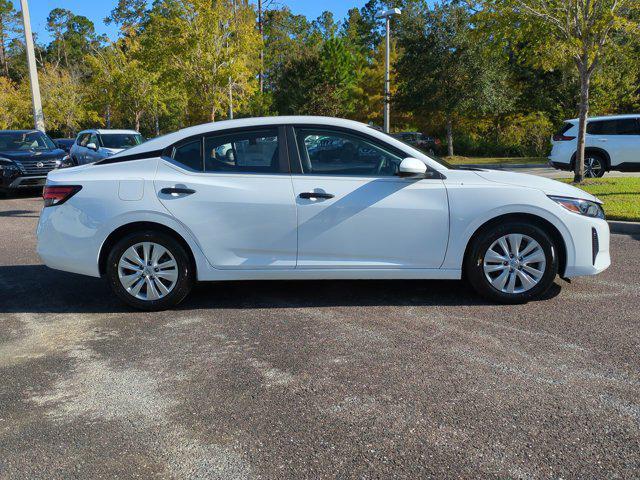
x=97, y=10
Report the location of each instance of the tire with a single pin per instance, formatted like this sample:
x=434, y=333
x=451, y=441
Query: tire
x=594, y=165
x=480, y=261
x=154, y=287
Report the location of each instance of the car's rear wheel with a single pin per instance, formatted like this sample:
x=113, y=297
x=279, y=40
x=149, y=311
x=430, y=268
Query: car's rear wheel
x=150, y=270
x=594, y=165
x=512, y=262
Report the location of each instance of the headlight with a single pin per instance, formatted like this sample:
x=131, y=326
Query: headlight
x=8, y=165
x=579, y=206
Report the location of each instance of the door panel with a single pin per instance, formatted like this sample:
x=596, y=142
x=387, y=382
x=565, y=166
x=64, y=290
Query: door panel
x=371, y=222
x=241, y=221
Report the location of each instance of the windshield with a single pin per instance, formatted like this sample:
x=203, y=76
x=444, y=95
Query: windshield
x=12, y=141
x=121, y=140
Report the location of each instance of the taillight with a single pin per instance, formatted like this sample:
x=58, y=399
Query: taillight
x=558, y=137
x=57, y=194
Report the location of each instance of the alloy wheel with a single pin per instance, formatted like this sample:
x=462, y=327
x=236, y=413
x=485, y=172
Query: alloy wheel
x=514, y=263
x=592, y=167
x=148, y=271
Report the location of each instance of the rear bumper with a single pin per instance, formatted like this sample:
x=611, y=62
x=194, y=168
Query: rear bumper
x=560, y=165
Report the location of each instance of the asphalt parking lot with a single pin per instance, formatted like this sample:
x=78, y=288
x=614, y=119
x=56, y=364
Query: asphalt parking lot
x=345, y=379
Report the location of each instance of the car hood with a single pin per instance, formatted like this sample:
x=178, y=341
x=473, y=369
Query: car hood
x=547, y=185
x=112, y=151
x=32, y=154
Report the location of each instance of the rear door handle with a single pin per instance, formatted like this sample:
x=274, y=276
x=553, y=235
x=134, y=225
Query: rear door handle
x=177, y=190
x=309, y=195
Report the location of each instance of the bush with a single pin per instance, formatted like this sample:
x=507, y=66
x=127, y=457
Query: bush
x=519, y=135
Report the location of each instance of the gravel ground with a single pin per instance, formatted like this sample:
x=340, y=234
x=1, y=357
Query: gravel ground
x=315, y=379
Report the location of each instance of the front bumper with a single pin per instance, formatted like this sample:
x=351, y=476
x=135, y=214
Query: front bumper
x=591, y=241
x=10, y=180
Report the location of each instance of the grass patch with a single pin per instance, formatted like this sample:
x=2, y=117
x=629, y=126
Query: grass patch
x=458, y=160
x=621, y=196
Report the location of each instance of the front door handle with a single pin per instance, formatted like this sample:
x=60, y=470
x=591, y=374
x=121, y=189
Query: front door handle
x=309, y=195
x=177, y=190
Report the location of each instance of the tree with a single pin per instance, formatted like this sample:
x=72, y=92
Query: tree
x=576, y=31
x=320, y=84
x=209, y=49
x=73, y=35
x=8, y=27
x=128, y=88
x=129, y=15
x=444, y=71
x=15, y=105
x=65, y=100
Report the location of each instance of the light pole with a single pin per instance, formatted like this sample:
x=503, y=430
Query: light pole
x=38, y=116
x=387, y=14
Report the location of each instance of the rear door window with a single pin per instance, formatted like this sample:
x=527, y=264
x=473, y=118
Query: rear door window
x=189, y=155
x=250, y=151
x=622, y=126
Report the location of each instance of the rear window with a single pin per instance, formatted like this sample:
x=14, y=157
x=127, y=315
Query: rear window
x=564, y=129
x=623, y=126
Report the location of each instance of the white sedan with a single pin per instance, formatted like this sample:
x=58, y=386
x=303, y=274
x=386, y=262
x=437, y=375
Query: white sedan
x=283, y=205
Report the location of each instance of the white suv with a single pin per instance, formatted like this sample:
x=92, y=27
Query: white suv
x=611, y=143
x=97, y=144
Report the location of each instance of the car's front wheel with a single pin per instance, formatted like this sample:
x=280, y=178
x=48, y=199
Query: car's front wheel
x=150, y=270
x=512, y=262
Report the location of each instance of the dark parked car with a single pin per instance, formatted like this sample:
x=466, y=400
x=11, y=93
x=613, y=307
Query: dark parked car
x=425, y=143
x=26, y=156
x=64, y=143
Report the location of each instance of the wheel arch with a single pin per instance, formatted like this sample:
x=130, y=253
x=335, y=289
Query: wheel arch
x=132, y=227
x=541, y=222
x=603, y=153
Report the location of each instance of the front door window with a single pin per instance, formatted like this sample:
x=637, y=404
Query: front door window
x=327, y=152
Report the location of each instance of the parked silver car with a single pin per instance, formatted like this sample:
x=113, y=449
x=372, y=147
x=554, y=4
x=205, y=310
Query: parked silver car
x=93, y=145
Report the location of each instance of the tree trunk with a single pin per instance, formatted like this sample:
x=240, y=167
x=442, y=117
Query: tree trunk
x=157, y=124
x=137, y=118
x=213, y=113
x=449, y=137
x=578, y=176
x=3, y=54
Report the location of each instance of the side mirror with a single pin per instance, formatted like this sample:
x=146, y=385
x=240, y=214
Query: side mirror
x=92, y=146
x=412, y=167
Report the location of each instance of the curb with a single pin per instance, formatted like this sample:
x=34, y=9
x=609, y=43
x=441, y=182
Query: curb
x=625, y=228
x=506, y=166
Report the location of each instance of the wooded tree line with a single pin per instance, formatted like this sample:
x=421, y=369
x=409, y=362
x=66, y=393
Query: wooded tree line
x=494, y=77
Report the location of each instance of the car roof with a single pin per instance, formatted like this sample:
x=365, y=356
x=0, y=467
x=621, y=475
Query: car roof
x=155, y=145
x=163, y=141
x=608, y=117
x=102, y=131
